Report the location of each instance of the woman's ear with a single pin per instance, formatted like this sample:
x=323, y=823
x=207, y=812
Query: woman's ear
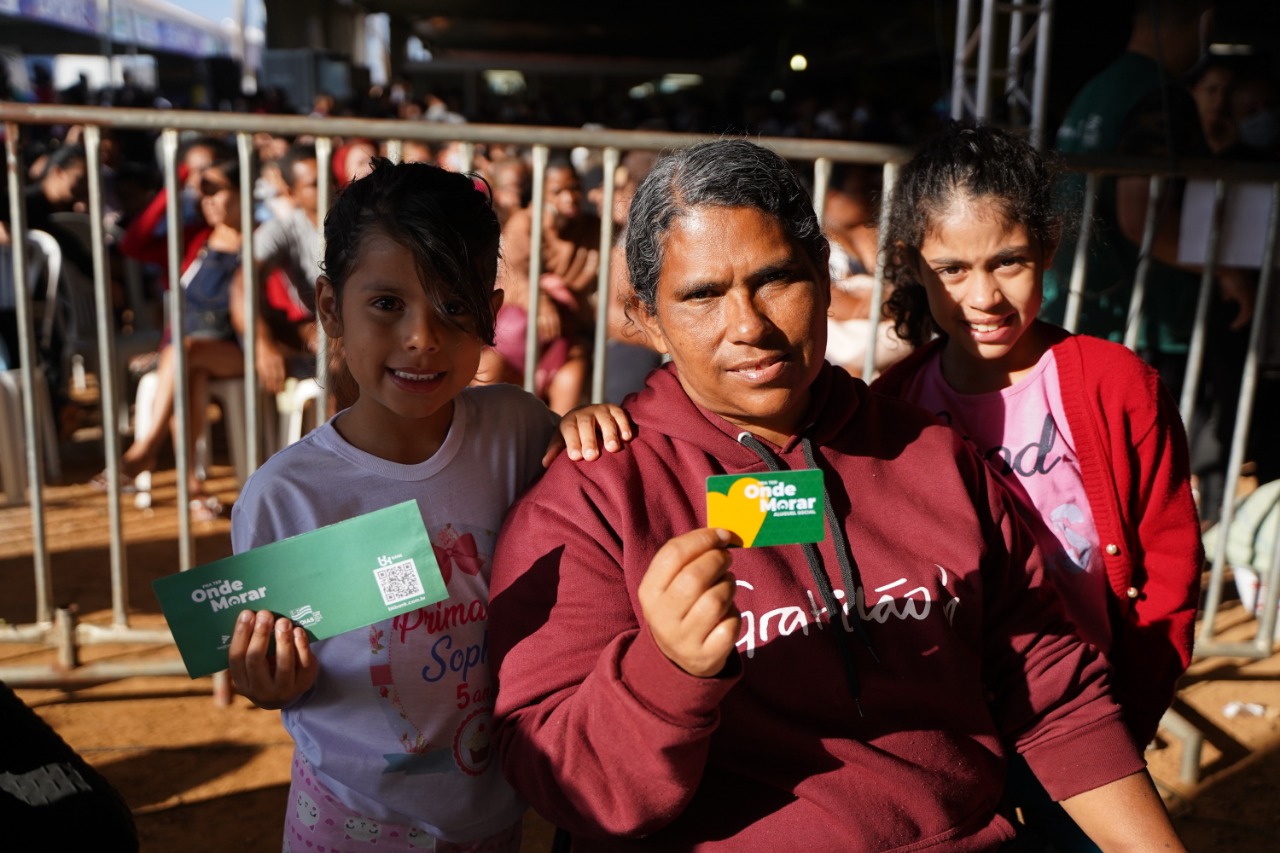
x=648, y=321
x=327, y=308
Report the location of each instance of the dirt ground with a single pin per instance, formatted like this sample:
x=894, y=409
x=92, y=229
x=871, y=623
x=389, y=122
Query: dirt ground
x=203, y=777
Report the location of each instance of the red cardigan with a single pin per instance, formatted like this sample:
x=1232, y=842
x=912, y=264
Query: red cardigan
x=1136, y=469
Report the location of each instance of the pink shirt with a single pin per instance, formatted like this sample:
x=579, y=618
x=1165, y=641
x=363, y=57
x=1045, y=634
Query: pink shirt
x=1022, y=432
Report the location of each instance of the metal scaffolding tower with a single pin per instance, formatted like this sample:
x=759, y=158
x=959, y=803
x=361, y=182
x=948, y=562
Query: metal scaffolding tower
x=1025, y=75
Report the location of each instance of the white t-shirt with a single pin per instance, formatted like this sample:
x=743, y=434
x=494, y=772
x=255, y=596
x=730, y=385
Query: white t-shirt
x=398, y=724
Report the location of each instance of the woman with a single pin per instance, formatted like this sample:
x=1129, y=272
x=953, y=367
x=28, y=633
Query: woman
x=212, y=346
x=652, y=699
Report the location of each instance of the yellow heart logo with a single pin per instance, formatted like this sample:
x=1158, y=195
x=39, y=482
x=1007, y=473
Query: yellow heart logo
x=737, y=512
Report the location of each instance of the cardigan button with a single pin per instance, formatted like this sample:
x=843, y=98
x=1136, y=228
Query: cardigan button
x=1113, y=549
x=1132, y=592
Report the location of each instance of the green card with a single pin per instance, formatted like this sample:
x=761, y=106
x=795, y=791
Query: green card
x=773, y=508
x=338, y=578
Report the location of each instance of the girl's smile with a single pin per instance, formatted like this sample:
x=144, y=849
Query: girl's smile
x=983, y=276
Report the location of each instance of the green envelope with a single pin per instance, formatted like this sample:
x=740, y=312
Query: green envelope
x=338, y=578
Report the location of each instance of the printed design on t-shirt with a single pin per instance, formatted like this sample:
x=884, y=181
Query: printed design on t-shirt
x=454, y=550
x=1067, y=522
x=1034, y=459
x=895, y=601
x=472, y=746
x=430, y=667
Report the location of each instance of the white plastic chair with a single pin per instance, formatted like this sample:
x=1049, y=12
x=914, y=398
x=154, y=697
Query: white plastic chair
x=13, y=440
x=229, y=395
x=292, y=404
x=43, y=270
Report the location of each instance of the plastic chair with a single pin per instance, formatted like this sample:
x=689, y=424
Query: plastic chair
x=43, y=271
x=13, y=441
x=292, y=405
x=229, y=395
x=78, y=314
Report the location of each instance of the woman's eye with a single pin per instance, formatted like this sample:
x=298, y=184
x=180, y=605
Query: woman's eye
x=454, y=308
x=385, y=303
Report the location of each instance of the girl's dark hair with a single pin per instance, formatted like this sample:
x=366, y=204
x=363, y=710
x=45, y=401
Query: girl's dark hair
x=445, y=219
x=962, y=160
x=721, y=173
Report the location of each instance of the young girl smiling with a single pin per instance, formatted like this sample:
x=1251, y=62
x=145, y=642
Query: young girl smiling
x=392, y=744
x=1081, y=428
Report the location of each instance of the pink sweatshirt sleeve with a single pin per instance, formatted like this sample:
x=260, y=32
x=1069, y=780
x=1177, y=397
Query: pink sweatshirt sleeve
x=596, y=728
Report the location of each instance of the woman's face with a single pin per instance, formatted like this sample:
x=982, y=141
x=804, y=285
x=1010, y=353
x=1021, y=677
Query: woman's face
x=219, y=199
x=741, y=310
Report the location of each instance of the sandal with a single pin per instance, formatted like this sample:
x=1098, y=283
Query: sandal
x=206, y=508
x=100, y=482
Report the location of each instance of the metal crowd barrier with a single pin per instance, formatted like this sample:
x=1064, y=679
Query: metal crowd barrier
x=57, y=628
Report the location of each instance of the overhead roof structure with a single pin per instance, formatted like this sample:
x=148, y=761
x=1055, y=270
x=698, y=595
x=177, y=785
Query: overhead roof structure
x=79, y=26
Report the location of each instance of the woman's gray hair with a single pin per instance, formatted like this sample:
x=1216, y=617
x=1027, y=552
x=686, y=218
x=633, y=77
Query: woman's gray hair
x=722, y=173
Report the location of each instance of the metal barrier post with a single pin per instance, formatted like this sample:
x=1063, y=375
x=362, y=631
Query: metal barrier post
x=604, y=294
x=1261, y=647
x=1195, y=351
x=1137, y=303
x=540, y=155
x=877, y=288
x=22, y=302
x=177, y=313
x=1080, y=264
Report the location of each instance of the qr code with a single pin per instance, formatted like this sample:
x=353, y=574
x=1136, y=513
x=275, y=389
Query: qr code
x=398, y=582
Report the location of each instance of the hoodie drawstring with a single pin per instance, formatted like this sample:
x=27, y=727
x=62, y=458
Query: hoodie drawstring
x=848, y=569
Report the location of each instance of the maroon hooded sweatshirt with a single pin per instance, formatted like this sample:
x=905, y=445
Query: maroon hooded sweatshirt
x=882, y=731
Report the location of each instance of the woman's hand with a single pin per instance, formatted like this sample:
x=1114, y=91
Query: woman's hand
x=270, y=365
x=584, y=429
x=270, y=681
x=548, y=319
x=686, y=596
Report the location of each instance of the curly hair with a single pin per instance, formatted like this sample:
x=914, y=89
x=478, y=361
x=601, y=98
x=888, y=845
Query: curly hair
x=720, y=173
x=963, y=160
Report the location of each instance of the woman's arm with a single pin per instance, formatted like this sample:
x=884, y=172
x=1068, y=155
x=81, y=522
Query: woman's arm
x=1124, y=815
x=596, y=727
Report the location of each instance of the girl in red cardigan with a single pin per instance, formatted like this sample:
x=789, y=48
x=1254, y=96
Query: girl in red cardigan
x=1081, y=428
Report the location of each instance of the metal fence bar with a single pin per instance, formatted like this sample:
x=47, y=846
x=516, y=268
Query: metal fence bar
x=889, y=178
x=604, y=290
x=22, y=300
x=1261, y=647
x=177, y=314
x=324, y=188
x=1137, y=303
x=536, y=207
x=1195, y=350
x=251, y=289
x=106, y=372
x=1080, y=264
